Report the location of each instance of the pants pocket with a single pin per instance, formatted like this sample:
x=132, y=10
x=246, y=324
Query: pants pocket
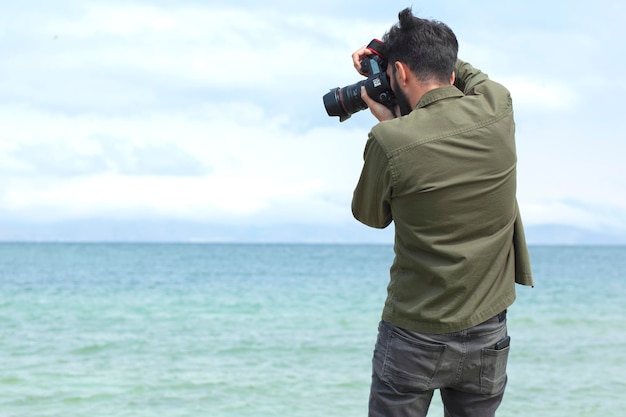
x=493, y=370
x=409, y=364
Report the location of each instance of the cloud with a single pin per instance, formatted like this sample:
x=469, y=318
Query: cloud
x=597, y=217
x=195, y=110
x=541, y=95
x=183, y=112
x=203, y=165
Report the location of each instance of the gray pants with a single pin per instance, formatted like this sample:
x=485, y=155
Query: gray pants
x=468, y=367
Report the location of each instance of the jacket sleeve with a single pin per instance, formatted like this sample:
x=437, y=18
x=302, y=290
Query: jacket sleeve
x=371, y=201
x=467, y=78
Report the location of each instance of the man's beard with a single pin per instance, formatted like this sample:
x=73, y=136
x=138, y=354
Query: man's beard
x=401, y=98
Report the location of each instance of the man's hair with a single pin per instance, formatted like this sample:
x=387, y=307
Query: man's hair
x=428, y=47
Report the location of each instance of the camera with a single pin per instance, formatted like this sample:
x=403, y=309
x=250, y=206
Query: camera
x=344, y=102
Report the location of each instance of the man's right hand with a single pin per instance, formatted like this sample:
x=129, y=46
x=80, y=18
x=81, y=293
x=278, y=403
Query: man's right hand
x=380, y=111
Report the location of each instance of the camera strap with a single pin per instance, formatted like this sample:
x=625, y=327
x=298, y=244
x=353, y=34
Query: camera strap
x=376, y=46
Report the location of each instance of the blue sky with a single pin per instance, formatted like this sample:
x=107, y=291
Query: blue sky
x=127, y=113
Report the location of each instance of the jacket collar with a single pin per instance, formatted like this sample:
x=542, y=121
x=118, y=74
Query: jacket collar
x=437, y=94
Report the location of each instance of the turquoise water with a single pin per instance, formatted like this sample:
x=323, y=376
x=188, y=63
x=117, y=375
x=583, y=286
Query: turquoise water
x=274, y=330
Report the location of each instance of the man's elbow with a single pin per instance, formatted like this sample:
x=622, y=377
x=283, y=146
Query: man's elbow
x=374, y=220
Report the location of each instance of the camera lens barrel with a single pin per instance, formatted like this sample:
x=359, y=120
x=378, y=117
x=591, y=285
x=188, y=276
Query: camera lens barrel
x=344, y=102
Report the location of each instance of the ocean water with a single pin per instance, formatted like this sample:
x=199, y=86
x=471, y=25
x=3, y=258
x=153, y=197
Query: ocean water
x=239, y=330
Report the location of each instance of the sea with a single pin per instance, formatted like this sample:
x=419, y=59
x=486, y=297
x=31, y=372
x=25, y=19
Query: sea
x=285, y=330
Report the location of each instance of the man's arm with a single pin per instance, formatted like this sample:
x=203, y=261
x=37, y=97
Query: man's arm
x=371, y=202
x=467, y=78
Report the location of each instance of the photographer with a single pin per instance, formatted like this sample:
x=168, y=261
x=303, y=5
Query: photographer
x=444, y=171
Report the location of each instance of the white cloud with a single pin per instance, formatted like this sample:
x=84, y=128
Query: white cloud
x=205, y=111
x=541, y=95
x=241, y=165
x=592, y=216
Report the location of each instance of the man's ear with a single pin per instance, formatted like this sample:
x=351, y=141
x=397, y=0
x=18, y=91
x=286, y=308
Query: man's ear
x=402, y=71
x=452, y=78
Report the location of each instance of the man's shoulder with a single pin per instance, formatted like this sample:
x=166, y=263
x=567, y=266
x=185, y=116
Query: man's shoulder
x=393, y=134
x=414, y=129
x=388, y=135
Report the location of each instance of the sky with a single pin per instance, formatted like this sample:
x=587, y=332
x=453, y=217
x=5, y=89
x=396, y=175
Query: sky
x=203, y=120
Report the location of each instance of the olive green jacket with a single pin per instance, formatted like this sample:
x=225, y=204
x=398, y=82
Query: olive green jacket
x=445, y=174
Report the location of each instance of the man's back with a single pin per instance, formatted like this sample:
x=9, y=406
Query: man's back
x=446, y=176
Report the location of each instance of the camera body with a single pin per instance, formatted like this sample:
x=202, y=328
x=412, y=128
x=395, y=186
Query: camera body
x=344, y=102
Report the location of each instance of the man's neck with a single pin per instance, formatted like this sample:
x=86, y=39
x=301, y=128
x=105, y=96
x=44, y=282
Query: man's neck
x=416, y=93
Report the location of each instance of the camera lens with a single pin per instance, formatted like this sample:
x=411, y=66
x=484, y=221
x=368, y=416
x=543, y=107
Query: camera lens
x=332, y=103
x=344, y=102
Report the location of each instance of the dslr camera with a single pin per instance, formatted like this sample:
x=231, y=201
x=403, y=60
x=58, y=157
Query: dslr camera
x=346, y=101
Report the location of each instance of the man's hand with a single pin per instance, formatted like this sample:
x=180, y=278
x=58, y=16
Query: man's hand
x=358, y=56
x=380, y=111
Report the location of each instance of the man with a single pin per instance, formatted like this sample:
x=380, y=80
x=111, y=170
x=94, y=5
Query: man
x=445, y=173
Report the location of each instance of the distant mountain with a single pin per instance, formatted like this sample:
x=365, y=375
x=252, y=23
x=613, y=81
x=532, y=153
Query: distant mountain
x=568, y=235
x=182, y=231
